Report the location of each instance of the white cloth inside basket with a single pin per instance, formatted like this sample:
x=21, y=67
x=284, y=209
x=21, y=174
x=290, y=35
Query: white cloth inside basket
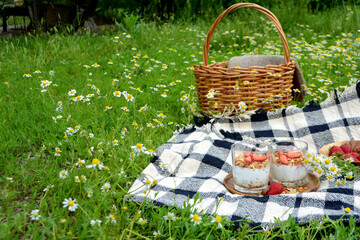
x=263, y=61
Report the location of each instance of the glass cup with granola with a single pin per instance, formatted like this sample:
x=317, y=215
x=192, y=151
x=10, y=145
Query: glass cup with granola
x=251, y=166
x=288, y=166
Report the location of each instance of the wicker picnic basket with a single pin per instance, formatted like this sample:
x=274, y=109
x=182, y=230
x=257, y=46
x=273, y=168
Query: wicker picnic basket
x=267, y=87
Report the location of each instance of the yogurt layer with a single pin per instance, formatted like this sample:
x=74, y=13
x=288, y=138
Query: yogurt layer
x=251, y=178
x=285, y=173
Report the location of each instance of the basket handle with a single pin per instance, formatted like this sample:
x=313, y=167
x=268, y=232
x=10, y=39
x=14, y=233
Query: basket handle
x=236, y=6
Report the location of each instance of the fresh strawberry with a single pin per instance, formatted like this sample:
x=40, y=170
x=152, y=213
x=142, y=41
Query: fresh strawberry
x=259, y=158
x=275, y=188
x=284, y=159
x=248, y=159
x=356, y=149
x=335, y=149
x=346, y=148
x=293, y=154
x=356, y=155
x=247, y=154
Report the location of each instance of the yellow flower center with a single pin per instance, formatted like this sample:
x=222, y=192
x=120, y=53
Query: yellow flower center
x=148, y=181
x=125, y=208
x=95, y=161
x=350, y=177
x=76, y=127
x=78, y=97
x=143, y=222
x=330, y=177
x=106, y=187
x=112, y=217
x=71, y=203
x=106, y=168
x=107, y=107
x=71, y=130
x=218, y=219
x=327, y=161
x=117, y=93
x=63, y=173
x=58, y=151
x=332, y=169
x=196, y=218
x=347, y=209
x=83, y=178
x=319, y=171
x=129, y=96
x=80, y=162
x=139, y=145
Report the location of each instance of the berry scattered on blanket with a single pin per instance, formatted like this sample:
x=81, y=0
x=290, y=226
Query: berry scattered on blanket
x=356, y=149
x=335, y=149
x=275, y=188
x=293, y=154
x=346, y=148
x=283, y=159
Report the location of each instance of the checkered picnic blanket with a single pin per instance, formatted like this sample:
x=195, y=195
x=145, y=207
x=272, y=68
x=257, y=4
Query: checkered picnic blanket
x=197, y=159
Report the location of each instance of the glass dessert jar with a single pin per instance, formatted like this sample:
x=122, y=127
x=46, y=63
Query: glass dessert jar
x=251, y=166
x=288, y=163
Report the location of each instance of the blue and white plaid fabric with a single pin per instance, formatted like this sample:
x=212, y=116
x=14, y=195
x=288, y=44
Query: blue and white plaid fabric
x=197, y=159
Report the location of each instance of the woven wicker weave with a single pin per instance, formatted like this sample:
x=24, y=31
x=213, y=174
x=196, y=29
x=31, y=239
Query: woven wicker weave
x=266, y=87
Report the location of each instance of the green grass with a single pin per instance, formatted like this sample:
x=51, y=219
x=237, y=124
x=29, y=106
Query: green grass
x=156, y=59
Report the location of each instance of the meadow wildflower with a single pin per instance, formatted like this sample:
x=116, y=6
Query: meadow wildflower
x=63, y=174
x=45, y=83
x=117, y=94
x=72, y=92
x=51, y=72
x=106, y=187
x=115, y=142
x=89, y=193
x=83, y=178
x=242, y=106
x=139, y=148
x=111, y=218
x=195, y=218
x=347, y=210
x=170, y=216
x=95, y=222
x=70, y=131
x=217, y=220
x=80, y=162
x=77, y=179
x=107, y=108
x=35, y=215
x=164, y=94
x=157, y=234
x=91, y=135
x=70, y=204
x=142, y=221
x=349, y=175
x=96, y=163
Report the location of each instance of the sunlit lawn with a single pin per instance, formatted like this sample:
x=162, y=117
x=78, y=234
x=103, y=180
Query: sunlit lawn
x=76, y=110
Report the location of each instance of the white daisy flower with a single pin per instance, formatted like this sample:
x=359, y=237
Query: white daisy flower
x=35, y=215
x=70, y=204
x=63, y=174
x=106, y=187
